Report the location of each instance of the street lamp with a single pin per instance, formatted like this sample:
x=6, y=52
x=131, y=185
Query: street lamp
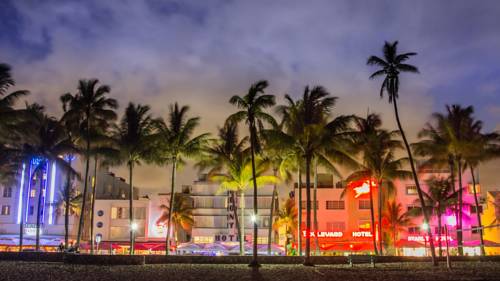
x=98, y=239
x=450, y=220
x=425, y=227
x=133, y=227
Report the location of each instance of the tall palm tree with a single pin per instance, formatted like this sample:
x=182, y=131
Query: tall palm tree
x=90, y=108
x=390, y=67
x=320, y=138
x=287, y=218
x=438, y=199
x=379, y=164
x=175, y=143
x=218, y=155
x=239, y=178
x=182, y=216
x=8, y=114
x=395, y=220
x=135, y=140
x=252, y=107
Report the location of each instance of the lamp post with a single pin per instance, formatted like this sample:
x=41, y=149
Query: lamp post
x=425, y=227
x=450, y=220
x=134, y=227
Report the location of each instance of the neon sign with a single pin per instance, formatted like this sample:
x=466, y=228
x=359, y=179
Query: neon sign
x=322, y=234
x=361, y=234
x=421, y=238
x=363, y=189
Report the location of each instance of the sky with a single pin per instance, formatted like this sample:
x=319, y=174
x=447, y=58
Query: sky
x=200, y=53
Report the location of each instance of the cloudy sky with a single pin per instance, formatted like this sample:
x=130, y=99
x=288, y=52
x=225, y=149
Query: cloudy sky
x=202, y=52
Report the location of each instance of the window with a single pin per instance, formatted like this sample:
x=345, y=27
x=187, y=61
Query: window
x=5, y=210
x=7, y=192
x=33, y=193
x=414, y=230
x=119, y=213
x=139, y=213
x=335, y=205
x=100, y=213
x=411, y=207
x=473, y=209
x=411, y=189
x=31, y=210
x=335, y=226
x=203, y=202
x=364, y=204
x=119, y=232
x=364, y=225
x=470, y=189
x=99, y=224
x=312, y=205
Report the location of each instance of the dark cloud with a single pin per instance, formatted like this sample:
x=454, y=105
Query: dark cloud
x=202, y=52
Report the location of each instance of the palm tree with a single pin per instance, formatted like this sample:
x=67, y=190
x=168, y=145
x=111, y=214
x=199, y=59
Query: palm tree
x=43, y=139
x=483, y=147
x=450, y=140
x=74, y=206
x=287, y=218
x=218, y=155
x=90, y=108
x=135, y=139
x=438, y=199
x=390, y=67
x=182, y=216
x=395, y=221
x=252, y=105
x=315, y=136
x=379, y=164
x=239, y=178
x=8, y=114
x=175, y=143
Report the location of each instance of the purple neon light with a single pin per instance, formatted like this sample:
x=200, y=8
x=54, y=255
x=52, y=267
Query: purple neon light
x=20, y=203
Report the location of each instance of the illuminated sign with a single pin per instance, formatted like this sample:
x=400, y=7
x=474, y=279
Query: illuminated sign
x=361, y=234
x=363, y=189
x=30, y=229
x=322, y=234
x=421, y=238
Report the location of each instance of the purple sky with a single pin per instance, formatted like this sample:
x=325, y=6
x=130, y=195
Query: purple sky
x=202, y=52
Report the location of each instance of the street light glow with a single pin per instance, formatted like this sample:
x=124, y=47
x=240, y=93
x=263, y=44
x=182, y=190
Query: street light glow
x=134, y=226
x=425, y=226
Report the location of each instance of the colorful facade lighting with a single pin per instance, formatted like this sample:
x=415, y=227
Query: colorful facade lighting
x=51, y=196
x=20, y=203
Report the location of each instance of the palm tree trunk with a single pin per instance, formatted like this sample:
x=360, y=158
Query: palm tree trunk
x=417, y=183
x=271, y=216
x=236, y=219
x=21, y=223
x=254, y=261
x=372, y=216
x=394, y=237
x=478, y=213
x=299, y=228
x=380, y=234
x=84, y=196
x=39, y=211
x=131, y=208
x=315, y=207
x=440, y=233
x=460, y=241
x=92, y=208
x=307, y=259
x=242, y=223
x=171, y=206
x=67, y=194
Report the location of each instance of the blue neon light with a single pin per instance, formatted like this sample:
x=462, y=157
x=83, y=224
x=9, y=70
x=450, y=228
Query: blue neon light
x=30, y=179
x=51, y=196
x=20, y=203
x=44, y=188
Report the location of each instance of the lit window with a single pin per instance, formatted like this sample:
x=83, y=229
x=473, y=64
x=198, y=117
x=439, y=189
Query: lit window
x=33, y=193
x=364, y=204
x=7, y=192
x=335, y=205
x=363, y=225
x=5, y=210
x=261, y=240
x=411, y=190
x=470, y=189
x=203, y=239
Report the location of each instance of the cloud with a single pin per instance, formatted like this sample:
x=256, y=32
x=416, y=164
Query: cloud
x=202, y=52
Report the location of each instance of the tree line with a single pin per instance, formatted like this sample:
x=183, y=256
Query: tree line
x=297, y=137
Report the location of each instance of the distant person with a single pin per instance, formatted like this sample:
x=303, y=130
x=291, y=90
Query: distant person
x=61, y=247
